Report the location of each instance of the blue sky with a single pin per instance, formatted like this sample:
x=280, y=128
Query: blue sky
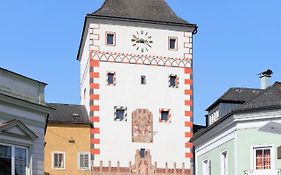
x=236, y=40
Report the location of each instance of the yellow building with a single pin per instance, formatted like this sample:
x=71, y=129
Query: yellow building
x=67, y=141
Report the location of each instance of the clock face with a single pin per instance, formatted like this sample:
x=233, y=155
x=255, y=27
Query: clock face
x=142, y=41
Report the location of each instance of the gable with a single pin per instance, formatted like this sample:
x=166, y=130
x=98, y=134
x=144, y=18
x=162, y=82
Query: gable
x=15, y=128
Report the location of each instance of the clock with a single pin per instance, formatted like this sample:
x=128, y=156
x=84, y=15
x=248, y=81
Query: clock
x=142, y=41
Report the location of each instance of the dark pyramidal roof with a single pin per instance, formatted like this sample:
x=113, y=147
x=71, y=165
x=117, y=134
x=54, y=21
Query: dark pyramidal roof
x=68, y=113
x=143, y=10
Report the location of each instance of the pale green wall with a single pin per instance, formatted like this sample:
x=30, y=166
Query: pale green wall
x=252, y=137
x=214, y=157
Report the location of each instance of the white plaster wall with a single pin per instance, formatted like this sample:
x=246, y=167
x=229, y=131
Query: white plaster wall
x=116, y=137
x=159, y=36
x=37, y=147
x=84, y=75
x=18, y=86
x=11, y=110
x=116, y=140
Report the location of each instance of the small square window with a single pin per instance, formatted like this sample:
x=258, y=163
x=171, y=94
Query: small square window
x=173, y=81
x=173, y=44
x=165, y=115
x=143, y=79
x=120, y=113
x=58, y=160
x=110, y=39
x=111, y=78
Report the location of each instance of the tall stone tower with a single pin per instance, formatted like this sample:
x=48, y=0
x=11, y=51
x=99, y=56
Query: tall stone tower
x=136, y=83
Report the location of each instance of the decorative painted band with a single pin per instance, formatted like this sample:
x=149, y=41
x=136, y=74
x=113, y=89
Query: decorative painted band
x=188, y=134
x=95, y=119
x=95, y=130
x=95, y=141
x=188, y=145
x=140, y=59
x=129, y=171
x=188, y=102
x=189, y=155
x=188, y=113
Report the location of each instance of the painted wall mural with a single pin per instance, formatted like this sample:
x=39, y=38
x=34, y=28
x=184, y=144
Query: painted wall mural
x=142, y=126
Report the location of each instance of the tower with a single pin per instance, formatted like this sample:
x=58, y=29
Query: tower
x=136, y=84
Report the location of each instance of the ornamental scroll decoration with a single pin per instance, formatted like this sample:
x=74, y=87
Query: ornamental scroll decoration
x=142, y=126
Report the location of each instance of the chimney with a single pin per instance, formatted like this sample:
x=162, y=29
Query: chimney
x=265, y=78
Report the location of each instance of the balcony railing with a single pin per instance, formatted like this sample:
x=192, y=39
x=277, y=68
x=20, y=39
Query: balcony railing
x=263, y=172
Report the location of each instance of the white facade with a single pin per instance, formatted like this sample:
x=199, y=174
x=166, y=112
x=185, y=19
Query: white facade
x=113, y=140
x=23, y=115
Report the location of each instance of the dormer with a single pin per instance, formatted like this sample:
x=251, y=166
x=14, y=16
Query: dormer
x=229, y=101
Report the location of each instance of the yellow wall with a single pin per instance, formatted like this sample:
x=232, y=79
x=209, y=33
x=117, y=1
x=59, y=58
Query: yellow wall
x=57, y=139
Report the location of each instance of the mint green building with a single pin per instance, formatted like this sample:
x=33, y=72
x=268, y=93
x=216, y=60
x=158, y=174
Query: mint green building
x=243, y=134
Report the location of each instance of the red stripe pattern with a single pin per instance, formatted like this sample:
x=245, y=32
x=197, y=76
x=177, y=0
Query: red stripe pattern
x=188, y=113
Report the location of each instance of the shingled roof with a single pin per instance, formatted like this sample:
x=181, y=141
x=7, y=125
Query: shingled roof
x=140, y=10
x=264, y=99
x=269, y=98
x=68, y=113
x=237, y=95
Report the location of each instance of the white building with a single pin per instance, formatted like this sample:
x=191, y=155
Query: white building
x=23, y=115
x=243, y=133
x=136, y=83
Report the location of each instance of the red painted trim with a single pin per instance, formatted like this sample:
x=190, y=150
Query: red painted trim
x=137, y=55
x=188, y=155
x=95, y=151
x=94, y=97
x=95, y=141
x=94, y=86
x=95, y=119
x=188, y=113
x=95, y=131
x=94, y=75
x=188, y=82
x=94, y=63
x=188, y=134
x=188, y=145
x=188, y=124
x=187, y=70
x=95, y=108
x=188, y=92
x=114, y=38
x=188, y=103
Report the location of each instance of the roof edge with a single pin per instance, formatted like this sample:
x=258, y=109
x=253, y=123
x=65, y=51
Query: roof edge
x=23, y=76
x=142, y=20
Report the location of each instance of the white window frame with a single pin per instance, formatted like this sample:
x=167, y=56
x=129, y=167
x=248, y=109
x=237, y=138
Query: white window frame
x=89, y=161
x=206, y=167
x=253, y=156
x=223, y=155
x=27, y=169
x=176, y=43
x=53, y=160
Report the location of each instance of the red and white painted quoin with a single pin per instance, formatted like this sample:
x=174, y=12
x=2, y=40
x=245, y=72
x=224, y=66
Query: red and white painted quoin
x=111, y=141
